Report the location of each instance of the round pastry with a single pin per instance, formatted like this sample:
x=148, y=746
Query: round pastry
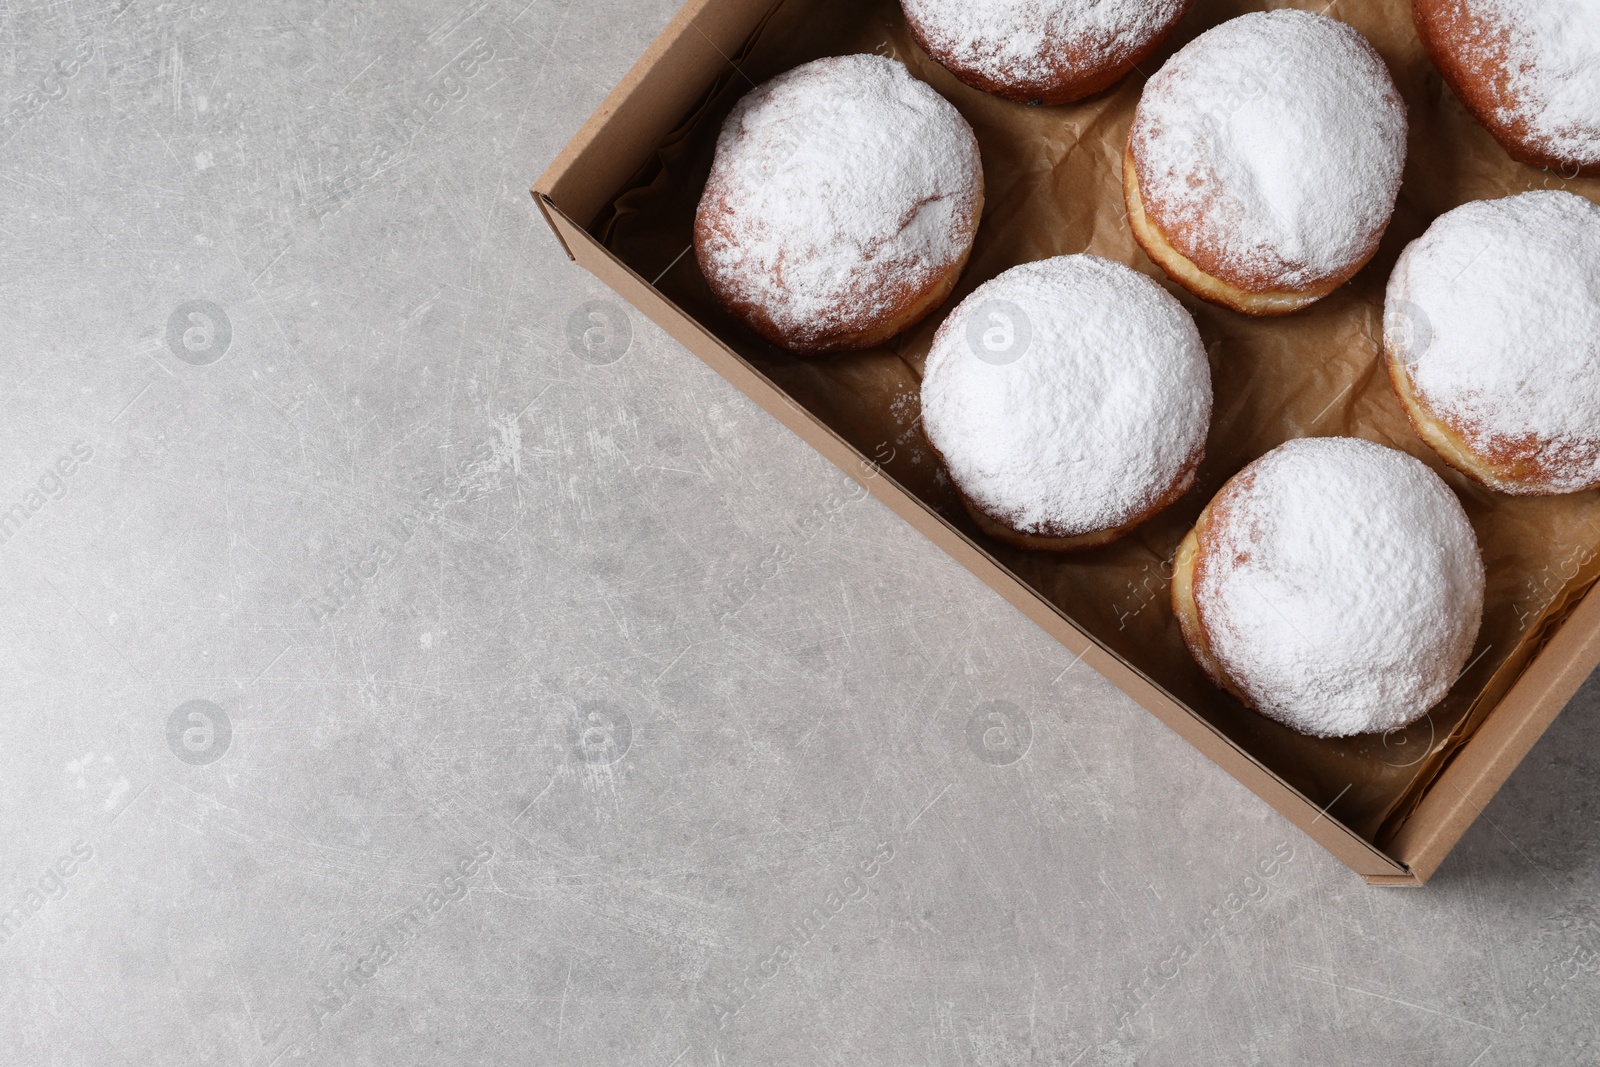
x=1333, y=585
x=1041, y=51
x=1529, y=70
x=1492, y=335
x=1069, y=400
x=1264, y=161
x=842, y=204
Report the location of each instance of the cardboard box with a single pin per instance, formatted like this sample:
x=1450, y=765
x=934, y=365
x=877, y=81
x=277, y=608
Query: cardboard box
x=686, y=67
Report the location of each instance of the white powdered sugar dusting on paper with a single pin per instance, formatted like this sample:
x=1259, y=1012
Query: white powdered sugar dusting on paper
x=1277, y=140
x=1552, y=59
x=1495, y=312
x=845, y=184
x=1105, y=404
x=1027, y=40
x=1341, y=587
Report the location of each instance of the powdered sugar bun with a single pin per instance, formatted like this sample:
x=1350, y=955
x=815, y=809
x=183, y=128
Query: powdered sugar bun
x=842, y=204
x=1334, y=585
x=1264, y=160
x=1529, y=70
x=1069, y=400
x=1492, y=334
x=1042, y=51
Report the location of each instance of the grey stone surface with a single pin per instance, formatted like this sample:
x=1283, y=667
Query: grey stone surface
x=386, y=684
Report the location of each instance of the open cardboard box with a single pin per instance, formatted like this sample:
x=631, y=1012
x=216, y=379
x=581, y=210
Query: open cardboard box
x=620, y=198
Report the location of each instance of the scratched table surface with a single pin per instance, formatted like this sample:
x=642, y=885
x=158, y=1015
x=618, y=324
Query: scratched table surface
x=412, y=656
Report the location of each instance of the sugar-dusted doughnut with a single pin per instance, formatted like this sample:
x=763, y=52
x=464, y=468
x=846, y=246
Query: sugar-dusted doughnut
x=1333, y=585
x=1264, y=160
x=1529, y=70
x=842, y=204
x=1069, y=401
x=1492, y=337
x=1042, y=51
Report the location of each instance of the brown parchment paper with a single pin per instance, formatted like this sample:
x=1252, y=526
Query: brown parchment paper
x=1053, y=187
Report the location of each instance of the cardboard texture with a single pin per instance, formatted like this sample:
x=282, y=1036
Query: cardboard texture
x=622, y=197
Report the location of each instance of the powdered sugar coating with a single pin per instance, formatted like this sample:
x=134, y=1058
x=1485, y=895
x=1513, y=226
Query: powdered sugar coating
x=1036, y=43
x=1100, y=411
x=1340, y=586
x=1495, y=314
x=1269, y=150
x=1549, y=52
x=840, y=191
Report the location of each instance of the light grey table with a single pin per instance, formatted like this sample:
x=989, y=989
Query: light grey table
x=385, y=684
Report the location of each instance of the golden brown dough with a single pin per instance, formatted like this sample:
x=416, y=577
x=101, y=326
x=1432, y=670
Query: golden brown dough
x=841, y=207
x=1264, y=160
x=1527, y=70
x=1334, y=585
x=1041, y=51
